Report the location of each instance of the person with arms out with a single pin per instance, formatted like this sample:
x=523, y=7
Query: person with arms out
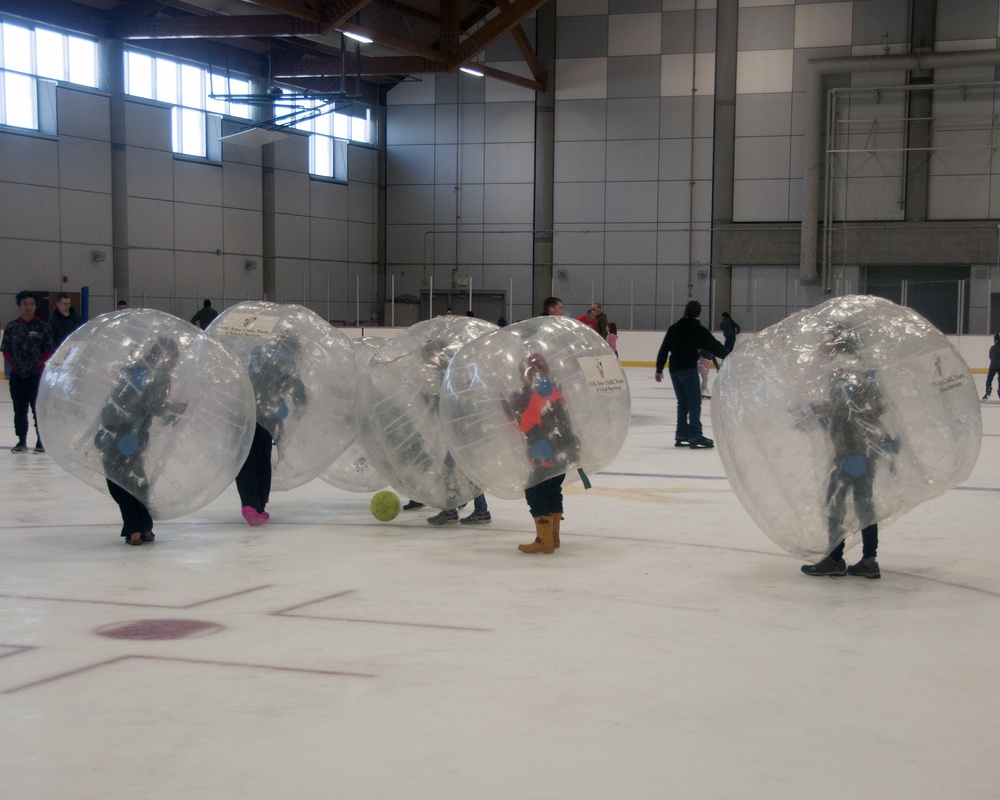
x=994, y=367
x=64, y=320
x=27, y=345
x=730, y=330
x=680, y=346
x=852, y=415
x=205, y=316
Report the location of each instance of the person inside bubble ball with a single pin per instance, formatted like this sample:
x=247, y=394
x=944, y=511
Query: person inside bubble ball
x=274, y=373
x=141, y=394
x=280, y=392
x=539, y=412
x=852, y=416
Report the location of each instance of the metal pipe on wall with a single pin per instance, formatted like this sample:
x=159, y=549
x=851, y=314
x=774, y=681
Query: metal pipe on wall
x=815, y=70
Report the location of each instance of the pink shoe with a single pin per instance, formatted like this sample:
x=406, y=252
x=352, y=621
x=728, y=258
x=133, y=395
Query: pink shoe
x=252, y=517
x=264, y=515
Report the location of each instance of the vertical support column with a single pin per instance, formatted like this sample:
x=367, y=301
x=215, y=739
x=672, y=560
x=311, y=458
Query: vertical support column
x=920, y=110
x=111, y=63
x=723, y=151
x=545, y=133
x=268, y=222
x=380, y=205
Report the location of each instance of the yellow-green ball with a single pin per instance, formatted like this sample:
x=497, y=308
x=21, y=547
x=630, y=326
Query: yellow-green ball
x=385, y=506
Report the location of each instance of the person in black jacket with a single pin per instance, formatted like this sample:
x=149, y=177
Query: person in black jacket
x=65, y=319
x=203, y=318
x=681, y=345
x=27, y=345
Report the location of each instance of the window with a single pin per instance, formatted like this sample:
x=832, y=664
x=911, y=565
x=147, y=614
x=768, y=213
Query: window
x=187, y=88
x=331, y=132
x=28, y=53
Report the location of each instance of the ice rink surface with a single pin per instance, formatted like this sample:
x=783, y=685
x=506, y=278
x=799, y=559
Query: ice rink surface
x=667, y=650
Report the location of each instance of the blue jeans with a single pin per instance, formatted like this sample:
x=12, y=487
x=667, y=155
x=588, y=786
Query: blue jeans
x=687, y=387
x=479, y=503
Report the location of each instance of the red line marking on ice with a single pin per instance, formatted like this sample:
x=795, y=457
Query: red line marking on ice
x=285, y=613
x=135, y=605
x=239, y=665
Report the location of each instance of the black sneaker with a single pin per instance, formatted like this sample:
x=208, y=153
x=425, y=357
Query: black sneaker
x=833, y=567
x=987, y=395
x=682, y=442
x=446, y=517
x=38, y=447
x=701, y=443
x=413, y=505
x=865, y=568
x=20, y=447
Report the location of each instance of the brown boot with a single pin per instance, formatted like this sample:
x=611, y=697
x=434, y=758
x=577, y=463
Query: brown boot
x=556, y=519
x=543, y=537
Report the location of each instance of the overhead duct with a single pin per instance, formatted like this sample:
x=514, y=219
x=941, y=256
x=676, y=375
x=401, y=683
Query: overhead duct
x=816, y=69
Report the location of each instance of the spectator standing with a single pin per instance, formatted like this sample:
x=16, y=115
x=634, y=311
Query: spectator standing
x=589, y=319
x=600, y=320
x=27, y=345
x=204, y=317
x=612, y=337
x=64, y=319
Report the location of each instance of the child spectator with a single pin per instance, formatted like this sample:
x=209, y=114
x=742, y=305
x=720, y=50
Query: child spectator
x=613, y=337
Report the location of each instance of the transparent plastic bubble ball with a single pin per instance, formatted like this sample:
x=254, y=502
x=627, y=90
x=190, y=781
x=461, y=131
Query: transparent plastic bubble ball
x=353, y=470
x=303, y=374
x=533, y=400
x=399, y=410
x=844, y=415
x=150, y=402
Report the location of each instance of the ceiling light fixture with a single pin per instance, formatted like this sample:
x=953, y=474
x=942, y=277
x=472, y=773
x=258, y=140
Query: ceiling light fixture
x=472, y=71
x=358, y=37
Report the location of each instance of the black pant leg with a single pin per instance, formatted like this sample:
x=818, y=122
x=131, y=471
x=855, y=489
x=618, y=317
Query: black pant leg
x=546, y=497
x=253, y=481
x=265, y=443
x=23, y=392
x=135, y=516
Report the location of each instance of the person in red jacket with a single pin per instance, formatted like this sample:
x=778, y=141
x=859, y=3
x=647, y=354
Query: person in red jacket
x=27, y=345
